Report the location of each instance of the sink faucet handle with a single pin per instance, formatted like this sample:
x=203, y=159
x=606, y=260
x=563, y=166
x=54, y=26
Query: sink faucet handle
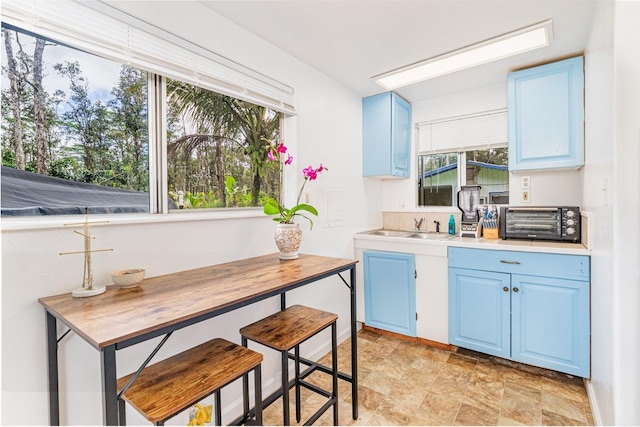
x=437, y=223
x=418, y=223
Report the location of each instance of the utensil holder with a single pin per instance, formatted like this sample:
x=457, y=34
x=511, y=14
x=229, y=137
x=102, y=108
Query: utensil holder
x=490, y=233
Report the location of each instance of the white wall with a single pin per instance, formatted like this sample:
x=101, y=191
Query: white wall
x=599, y=154
x=327, y=130
x=612, y=195
x=626, y=201
x=563, y=188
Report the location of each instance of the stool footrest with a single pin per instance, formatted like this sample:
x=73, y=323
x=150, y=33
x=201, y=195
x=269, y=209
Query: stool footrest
x=313, y=418
x=170, y=386
x=286, y=330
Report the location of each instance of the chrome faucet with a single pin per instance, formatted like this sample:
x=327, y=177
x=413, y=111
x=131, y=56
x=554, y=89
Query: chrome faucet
x=418, y=223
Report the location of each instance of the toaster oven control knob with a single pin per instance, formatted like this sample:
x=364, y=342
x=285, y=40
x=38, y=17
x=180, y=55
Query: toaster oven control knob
x=571, y=230
x=570, y=222
x=570, y=214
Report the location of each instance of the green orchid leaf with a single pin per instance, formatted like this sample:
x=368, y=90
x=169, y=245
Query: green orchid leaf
x=271, y=207
x=304, y=207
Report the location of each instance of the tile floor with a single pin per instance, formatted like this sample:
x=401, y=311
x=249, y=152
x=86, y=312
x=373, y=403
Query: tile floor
x=406, y=383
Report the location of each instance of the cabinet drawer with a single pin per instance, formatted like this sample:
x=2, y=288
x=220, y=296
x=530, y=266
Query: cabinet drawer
x=574, y=267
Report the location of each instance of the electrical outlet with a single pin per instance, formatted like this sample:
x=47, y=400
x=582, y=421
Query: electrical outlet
x=525, y=196
x=525, y=182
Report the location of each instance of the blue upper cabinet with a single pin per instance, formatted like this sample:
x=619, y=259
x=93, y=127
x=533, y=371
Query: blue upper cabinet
x=546, y=116
x=386, y=136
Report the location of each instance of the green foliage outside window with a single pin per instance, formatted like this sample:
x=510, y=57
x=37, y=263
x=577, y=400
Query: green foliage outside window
x=61, y=118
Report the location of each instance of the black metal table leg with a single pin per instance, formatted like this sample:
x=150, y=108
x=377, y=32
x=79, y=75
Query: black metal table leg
x=354, y=346
x=52, y=360
x=109, y=386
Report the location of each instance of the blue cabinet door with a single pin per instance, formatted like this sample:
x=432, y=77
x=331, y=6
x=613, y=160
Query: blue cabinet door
x=479, y=311
x=546, y=116
x=390, y=291
x=550, y=323
x=386, y=136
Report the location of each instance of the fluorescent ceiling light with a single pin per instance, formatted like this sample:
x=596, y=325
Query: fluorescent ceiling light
x=514, y=43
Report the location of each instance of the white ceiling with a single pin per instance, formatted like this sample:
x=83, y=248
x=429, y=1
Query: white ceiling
x=353, y=40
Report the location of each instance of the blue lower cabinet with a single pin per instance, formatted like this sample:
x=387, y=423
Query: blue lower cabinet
x=550, y=323
x=479, y=311
x=390, y=291
x=528, y=307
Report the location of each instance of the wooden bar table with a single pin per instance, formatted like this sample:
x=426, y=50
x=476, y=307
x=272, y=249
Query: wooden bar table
x=160, y=305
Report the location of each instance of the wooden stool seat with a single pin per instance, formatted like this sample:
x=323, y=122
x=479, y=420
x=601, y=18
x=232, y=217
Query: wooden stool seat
x=170, y=386
x=286, y=330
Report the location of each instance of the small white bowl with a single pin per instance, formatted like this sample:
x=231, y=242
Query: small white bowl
x=128, y=278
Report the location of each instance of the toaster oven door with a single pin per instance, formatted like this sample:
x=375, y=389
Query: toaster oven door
x=545, y=224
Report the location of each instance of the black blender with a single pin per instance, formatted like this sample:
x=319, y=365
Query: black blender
x=468, y=203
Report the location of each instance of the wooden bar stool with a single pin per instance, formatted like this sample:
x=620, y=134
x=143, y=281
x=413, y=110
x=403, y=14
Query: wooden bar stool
x=166, y=388
x=286, y=330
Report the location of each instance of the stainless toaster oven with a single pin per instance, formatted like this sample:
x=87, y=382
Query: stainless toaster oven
x=542, y=223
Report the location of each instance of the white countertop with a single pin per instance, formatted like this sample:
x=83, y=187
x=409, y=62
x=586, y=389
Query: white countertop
x=481, y=243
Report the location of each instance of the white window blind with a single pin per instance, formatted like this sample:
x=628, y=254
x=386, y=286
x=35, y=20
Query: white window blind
x=102, y=30
x=464, y=133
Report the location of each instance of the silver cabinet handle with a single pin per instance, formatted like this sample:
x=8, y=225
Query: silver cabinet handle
x=515, y=289
x=510, y=262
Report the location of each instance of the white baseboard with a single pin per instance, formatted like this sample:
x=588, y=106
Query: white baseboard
x=593, y=403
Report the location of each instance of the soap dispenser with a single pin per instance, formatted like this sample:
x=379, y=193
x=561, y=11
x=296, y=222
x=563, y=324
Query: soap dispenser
x=452, y=225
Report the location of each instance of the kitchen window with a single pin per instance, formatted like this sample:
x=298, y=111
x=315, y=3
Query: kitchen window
x=158, y=123
x=479, y=142
x=439, y=177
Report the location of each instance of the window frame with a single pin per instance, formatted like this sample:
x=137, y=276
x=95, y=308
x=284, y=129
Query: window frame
x=461, y=175
x=223, y=76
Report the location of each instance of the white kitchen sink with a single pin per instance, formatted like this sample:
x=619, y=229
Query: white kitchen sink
x=387, y=233
x=428, y=236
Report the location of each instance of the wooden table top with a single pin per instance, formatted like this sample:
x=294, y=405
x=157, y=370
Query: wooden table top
x=162, y=301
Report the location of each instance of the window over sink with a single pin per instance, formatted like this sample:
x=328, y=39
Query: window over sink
x=477, y=141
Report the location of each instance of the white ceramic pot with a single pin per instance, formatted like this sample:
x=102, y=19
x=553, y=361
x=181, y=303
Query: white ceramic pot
x=288, y=238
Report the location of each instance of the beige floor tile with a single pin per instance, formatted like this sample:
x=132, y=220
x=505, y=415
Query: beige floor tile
x=567, y=388
x=391, y=413
x=407, y=383
x=345, y=416
x=369, y=399
x=522, y=404
x=407, y=394
x=522, y=392
x=461, y=374
x=551, y=419
x=428, y=362
x=523, y=378
x=391, y=368
x=504, y=421
x=437, y=409
x=462, y=361
x=421, y=378
x=470, y=415
x=564, y=407
x=378, y=381
x=449, y=387
x=484, y=392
